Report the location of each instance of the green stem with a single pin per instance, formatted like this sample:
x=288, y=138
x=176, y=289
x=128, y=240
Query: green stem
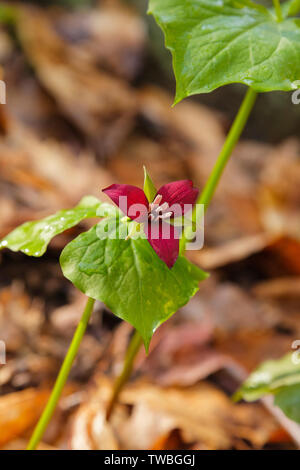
x=205, y=198
x=62, y=377
x=230, y=142
x=277, y=7
x=132, y=350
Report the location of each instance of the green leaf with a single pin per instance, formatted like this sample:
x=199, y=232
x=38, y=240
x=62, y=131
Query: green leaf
x=32, y=238
x=269, y=377
x=291, y=8
x=149, y=188
x=129, y=277
x=288, y=399
x=8, y=14
x=217, y=42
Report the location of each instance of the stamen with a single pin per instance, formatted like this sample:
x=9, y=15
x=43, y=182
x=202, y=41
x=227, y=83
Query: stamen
x=164, y=206
x=153, y=206
x=166, y=215
x=156, y=210
x=157, y=199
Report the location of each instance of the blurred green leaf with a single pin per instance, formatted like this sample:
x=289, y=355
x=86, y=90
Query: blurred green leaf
x=128, y=276
x=217, y=42
x=7, y=14
x=288, y=399
x=291, y=8
x=269, y=377
x=32, y=238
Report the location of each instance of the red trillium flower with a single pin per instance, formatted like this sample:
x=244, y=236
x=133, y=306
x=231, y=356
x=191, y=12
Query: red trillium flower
x=171, y=200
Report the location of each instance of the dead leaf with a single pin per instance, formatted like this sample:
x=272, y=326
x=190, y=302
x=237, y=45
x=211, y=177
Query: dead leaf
x=110, y=35
x=100, y=105
x=232, y=251
x=19, y=411
x=203, y=414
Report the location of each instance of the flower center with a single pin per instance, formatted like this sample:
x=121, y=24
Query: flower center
x=157, y=211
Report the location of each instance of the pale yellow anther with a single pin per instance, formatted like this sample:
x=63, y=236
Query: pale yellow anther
x=157, y=199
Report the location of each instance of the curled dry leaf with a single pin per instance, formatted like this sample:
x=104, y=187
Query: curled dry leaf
x=202, y=413
x=204, y=416
x=90, y=430
x=19, y=411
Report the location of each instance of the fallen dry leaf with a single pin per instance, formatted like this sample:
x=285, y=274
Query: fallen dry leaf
x=19, y=411
x=100, y=105
x=202, y=414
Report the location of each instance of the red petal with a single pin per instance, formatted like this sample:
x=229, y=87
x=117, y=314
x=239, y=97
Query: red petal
x=164, y=239
x=179, y=192
x=134, y=196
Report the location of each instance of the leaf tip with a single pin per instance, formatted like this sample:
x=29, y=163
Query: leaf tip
x=3, y=244
x=177, y=100
x=237, y=396
x=146, y=341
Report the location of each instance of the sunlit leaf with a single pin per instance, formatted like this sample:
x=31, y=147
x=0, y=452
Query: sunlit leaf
x=288, y=399
x=129, y=277
x=217, y=42
x=32, y=238
x=269, y=377
x=291, y=8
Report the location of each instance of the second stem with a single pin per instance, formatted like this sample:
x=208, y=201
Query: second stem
x=204, y=198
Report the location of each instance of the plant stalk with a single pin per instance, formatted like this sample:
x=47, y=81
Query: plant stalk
x=204, y=198
x=62, y=377
x=278, y=11
x=229, y=144
x=132, y=350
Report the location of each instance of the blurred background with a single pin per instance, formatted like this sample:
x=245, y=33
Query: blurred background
x=89, y=88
